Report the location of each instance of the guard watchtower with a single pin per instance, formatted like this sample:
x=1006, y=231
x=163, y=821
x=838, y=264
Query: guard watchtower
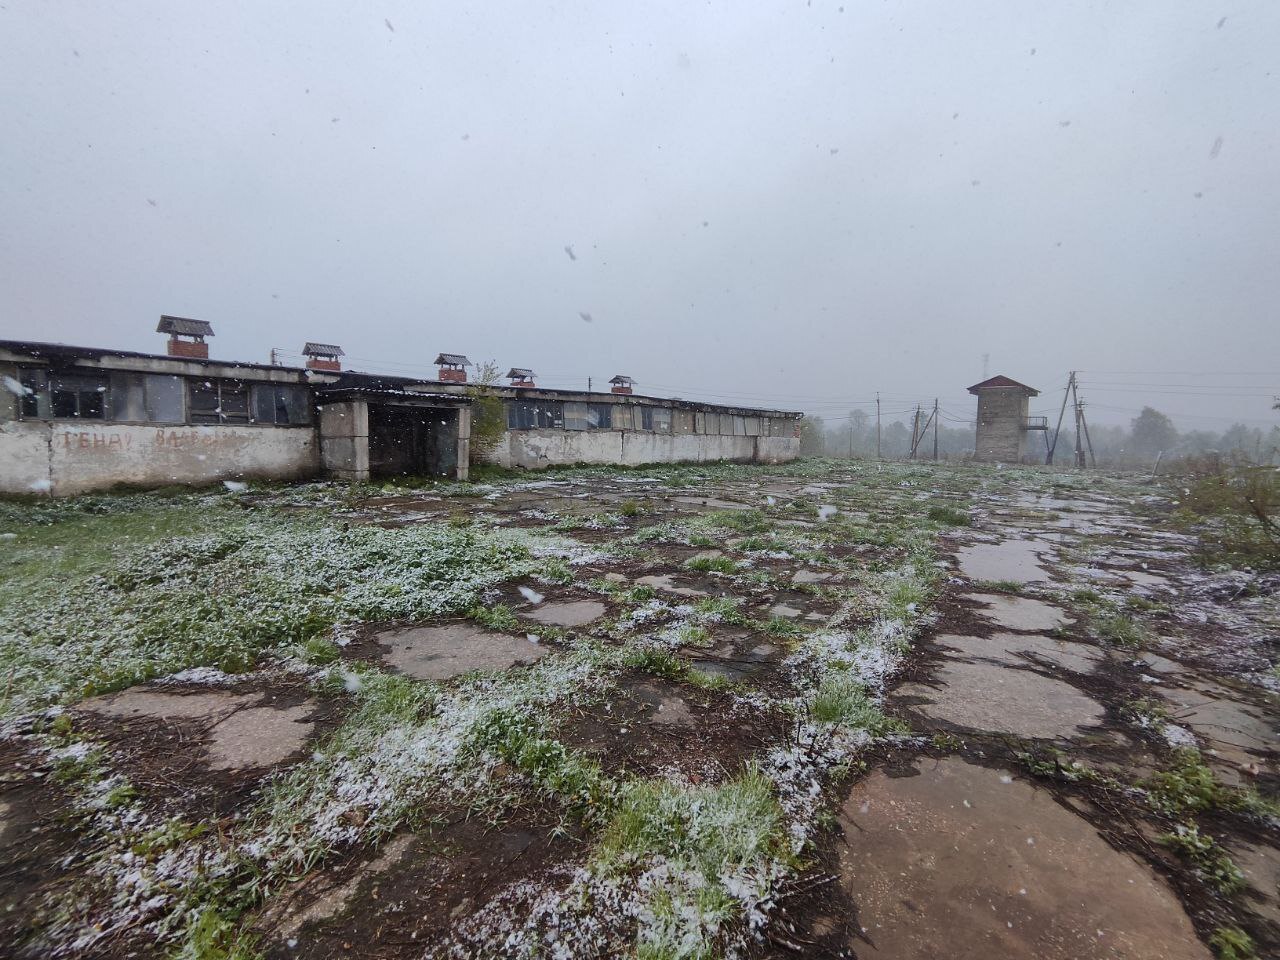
x=1003, y=422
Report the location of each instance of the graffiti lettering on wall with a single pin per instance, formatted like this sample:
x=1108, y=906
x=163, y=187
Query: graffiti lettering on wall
x=161, y=439
x=87, y=440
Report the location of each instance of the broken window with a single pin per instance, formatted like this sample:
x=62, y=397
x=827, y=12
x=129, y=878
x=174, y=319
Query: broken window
x=145, y=398
x=35, y=394
x=535, y=415
x=219, y=401
x=657, y=419
x=588, y=416
x=63, y=396
x=281, y=403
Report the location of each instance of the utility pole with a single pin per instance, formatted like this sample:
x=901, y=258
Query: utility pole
x=877, y=424
x=1080, y=461
x=1071, y=385
x=851, y=438
x=915, y=432
x=935, y=428
x=588, y=384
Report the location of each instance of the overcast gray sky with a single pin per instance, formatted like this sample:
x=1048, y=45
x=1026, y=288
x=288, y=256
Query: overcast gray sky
x=785, y=204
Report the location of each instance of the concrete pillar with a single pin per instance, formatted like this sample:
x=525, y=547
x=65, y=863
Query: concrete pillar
x=344, y=439
x=464, y=443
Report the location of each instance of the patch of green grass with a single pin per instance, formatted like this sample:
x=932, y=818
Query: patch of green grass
x=320, y=651
x=642, y=593
x=660, y=663
x=949, y=516
x=1208, y=857
x=743, y=521
x=842, y=700
x=1232, y=943
x=567, y=775
x=707, y=836
x=555, y=570
x=701, y=540
x=782, y=627
x=712, y=565
x=496, y=617
x=1118, y=629
x=250, y=583
x=1186, y=786
x=210, y=936
x=723, y=610
x=630, y=508
x=998, y=586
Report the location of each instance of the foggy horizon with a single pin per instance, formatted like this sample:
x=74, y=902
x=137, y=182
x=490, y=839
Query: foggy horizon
x=782, y=205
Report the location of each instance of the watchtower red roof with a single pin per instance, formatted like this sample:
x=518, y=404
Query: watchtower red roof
x=1002, y=381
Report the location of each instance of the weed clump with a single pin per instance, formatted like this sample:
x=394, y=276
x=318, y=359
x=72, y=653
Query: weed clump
x=841, y=699
x=712, y=565
x=949, y=516
x=1232, y=943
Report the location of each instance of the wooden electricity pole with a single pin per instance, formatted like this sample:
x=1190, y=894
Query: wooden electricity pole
x=877, y=424
x=935, y=428
x=1071, y=385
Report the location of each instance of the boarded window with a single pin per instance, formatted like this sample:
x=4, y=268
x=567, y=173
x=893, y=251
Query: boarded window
x=535, y=415
x=646, y=418
x=624, y=417
x=281, y=403
x=219, y=401
x=753, y=426
x=661, y=418
x=588, y=416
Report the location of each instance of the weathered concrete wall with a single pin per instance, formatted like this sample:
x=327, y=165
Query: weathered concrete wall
x=344, y=439
x=65, y=458
x=1002, y=419
x=535, y=449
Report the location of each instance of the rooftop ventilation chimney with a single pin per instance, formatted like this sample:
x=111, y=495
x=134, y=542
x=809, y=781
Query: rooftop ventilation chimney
x=323, y=356
x=622, y=384
x=520, y=377
x=178, y=327
x=453, y=367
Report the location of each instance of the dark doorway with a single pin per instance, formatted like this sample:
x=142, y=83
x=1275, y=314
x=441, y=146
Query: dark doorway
x=413, y=441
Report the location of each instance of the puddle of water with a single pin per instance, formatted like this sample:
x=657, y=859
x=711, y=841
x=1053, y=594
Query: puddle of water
x=782, y=610
x=711, y=503
x=570, y=613
x=667, y=583
x=1234, y=732
x=1020, y=613
x=1012, y=560
x=957, y=862
x=1261, y=868
x=1007, y=647
x=438, y=653
x=810, y=576
x=993, y=698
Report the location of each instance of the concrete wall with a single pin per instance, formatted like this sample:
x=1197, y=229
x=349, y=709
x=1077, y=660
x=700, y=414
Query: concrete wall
x=1002, y=425
x=344, y=439
x=64, y=458
x=535, y=449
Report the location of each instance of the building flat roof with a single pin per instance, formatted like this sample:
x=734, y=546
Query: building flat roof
x=354, y=379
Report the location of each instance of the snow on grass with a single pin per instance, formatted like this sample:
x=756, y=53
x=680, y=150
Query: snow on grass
x=220, y=600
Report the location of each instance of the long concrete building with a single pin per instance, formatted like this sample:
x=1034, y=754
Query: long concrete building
x=74, y=419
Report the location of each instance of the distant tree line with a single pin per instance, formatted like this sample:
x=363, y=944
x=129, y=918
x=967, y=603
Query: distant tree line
x=1150, y=434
